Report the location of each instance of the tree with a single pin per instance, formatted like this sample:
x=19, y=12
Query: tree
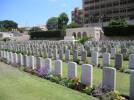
x=52, y=23
x=73, y=25
x=8, y=24
x=118, y=23
x=34, y=29
x=63, y=20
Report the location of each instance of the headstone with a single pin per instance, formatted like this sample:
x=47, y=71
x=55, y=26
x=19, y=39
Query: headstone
x=132, y=49
x=50, y=53
x=132, y=85
x=55, y=52
x=58, y=67
x=45, y=52
x=131, y=61
x=67, y=55
x=24, y=60
x=113, y=52
x=118, y=61
x=4, y=54
x=96, y=49
x=82, y=49
x=94, y=58
x=109, y=78
x=21, y=60
x=8, y=57
x=83, y=55
x=61, y=54
x=32, y=61
x=48, y=65
x=75, y=55
x=124, y=51
x=87, y=74
x=15, y=58
x=12, y=58
x=37, y=62
x=104, y=49
x=27, y=61
x=72, y=70
x=106, y=59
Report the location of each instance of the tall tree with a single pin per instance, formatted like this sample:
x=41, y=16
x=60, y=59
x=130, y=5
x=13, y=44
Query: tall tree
x=52, y=23
x=63, y=20
x=118, y=23
x=8, y=24
x=73, y=25
x=34, y=29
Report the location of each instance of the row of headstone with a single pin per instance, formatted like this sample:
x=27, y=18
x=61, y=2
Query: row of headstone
x=46, y=49
x=94, y=58
x=109, y=74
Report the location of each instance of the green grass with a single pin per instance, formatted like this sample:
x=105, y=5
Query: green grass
x=18, y=85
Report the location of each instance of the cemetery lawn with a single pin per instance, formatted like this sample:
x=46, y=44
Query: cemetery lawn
x=18, y=85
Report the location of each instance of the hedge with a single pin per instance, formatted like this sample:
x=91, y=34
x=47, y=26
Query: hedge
x=47, y=34
x=119, y=31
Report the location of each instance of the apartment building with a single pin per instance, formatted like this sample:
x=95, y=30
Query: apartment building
x=77, y=16
x=102, y=11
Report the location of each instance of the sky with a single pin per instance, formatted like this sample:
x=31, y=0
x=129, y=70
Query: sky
x=35, y=12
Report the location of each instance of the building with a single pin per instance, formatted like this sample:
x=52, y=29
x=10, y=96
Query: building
x=43, y=27
x=91, y=32
x=77, y=16
x=4, y=35
x=14, y=36
x=98, y=11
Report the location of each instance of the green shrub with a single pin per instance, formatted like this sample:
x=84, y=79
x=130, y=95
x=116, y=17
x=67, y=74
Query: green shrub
x=83, y=40
x=119, y=31
x=55, y=79
x=88, y=90
x=112, y=96
x=47, y=34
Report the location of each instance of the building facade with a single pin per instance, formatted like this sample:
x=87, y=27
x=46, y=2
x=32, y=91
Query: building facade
x=92, y=32
x=98, y=11
x=77, y=16
x=4, y=35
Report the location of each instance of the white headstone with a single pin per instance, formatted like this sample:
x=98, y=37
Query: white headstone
x=27, y=61
x=131, y=61
x=87, y=74
x=72, y=70
x=67, y=55
x=48, y=65
x=58, y=67
x=106, y=59
x=95, y=58
x=32, y=61
x=132, y=85
x=113, y=52
x=109, y=78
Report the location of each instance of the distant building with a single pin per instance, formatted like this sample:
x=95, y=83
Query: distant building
x=98, y=11
x=16, y=36
x=43, y=27
x=4, y=35
x=91, y=32
x=52, y=26
x=77, y=16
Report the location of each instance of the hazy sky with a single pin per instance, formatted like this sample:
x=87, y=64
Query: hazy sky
x=35, y=12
